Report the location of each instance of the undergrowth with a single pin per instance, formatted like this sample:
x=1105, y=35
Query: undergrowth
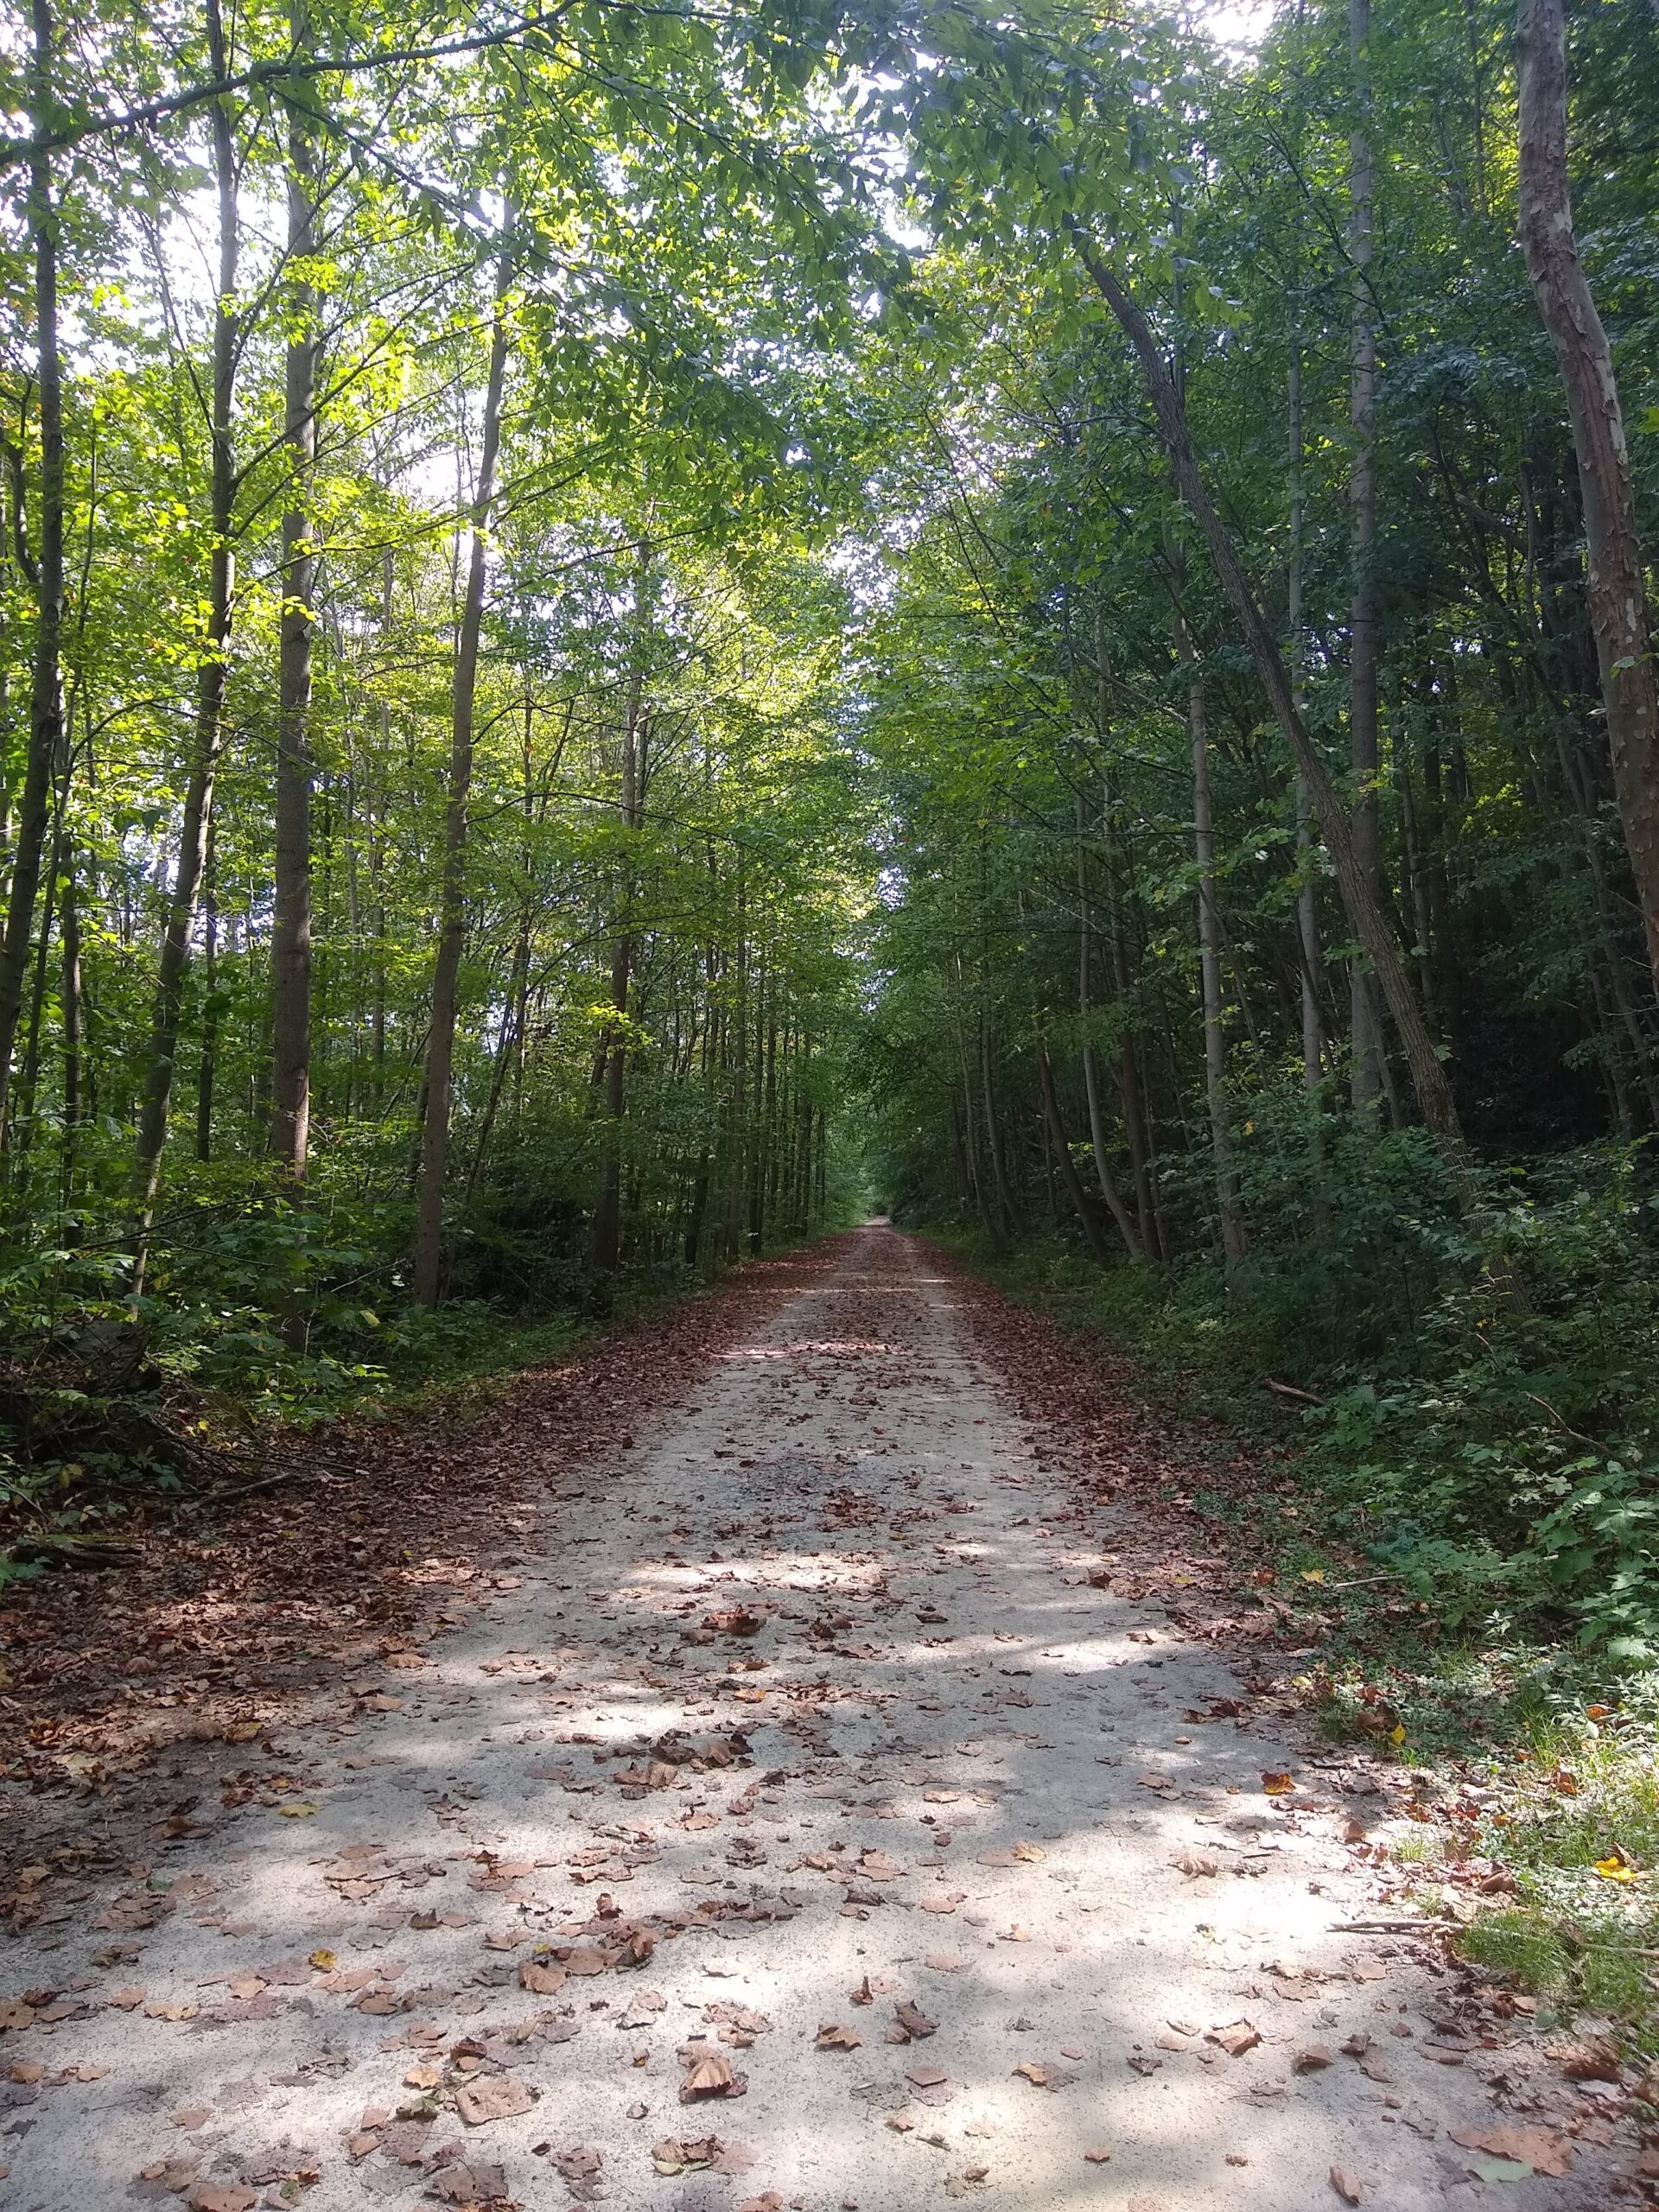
x=1460, y=1515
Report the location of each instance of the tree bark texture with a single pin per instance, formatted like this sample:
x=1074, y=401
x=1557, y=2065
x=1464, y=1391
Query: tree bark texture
x=1617, y=595
x=426, y=1271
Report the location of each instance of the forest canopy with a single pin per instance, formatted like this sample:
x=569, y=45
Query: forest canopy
x=624, y=629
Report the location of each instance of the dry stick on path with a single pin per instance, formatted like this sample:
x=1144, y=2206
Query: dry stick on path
x=1617, y=595
x=1365, y=916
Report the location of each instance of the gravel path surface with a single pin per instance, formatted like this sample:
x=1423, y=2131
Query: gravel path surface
x=796, y=1824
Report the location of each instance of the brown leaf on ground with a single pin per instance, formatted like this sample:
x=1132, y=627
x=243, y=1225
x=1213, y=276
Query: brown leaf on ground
x=711, y=2076
x=913, y=2020
x=833, y=2037
x=927, y=2077
x=1540, y=2147
x=1235, y=2038
x=735, y=1620
x=1346, y=2185
x=1196, y=1864
x=1098, y=2155
x=863, y=1995
x=495, y=2096
x=541, y=1978
x=1277, y=1784
x=577, y=2161
x=674, y=2155
x=221, y=2197
x=1593, y=2059
x=470, y=2185
x=1313, y=2060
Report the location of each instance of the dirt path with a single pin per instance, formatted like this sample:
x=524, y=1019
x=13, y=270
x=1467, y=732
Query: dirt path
x=799, y=1759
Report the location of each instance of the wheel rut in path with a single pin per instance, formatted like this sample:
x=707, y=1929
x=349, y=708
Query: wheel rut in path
x=804, y=1829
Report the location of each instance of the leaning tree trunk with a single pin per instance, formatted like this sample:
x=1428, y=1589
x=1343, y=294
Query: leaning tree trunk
x=46, y=693
x=1365, y=915
x=291, y=936
x=1618, y=589
x=427, y=1266
x=209, y=730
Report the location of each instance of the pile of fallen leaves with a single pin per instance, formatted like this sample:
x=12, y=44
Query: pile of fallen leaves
x=217, y=1629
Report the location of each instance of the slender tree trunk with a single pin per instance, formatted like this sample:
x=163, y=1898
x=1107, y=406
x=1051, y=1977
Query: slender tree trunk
x=1233, y=1241
x=1307, y=904
x=426, y=1271
x=1103, y=1176
x=1617, y=595
x=46, y=689
x=208, y=733
x=207, y=1069
x=1061, y=1150
x=1005, y=1199
x=1366, y=1027
x=290, y=941
x=607, y=1213
x=1365, y=916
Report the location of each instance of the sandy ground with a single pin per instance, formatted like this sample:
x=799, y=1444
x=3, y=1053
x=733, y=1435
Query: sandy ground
x=803, y=1715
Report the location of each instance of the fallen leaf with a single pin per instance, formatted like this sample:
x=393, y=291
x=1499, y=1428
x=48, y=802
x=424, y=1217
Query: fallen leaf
x=1235, y=2038
x=541, y=1978
x=1346, y=2186
x=466, y=2185
x=1312, y=2060
x=1540, y=2147
x=1281, y=1785
x=494, y=2096
x=833, y=2037
x=711, y=2076
x=1098, y=2155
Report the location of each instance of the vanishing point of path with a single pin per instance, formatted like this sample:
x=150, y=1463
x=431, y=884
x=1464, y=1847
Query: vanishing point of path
x=797, y=1826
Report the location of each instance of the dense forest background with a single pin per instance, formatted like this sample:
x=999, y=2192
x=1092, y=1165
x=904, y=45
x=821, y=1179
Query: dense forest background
x=623, y=628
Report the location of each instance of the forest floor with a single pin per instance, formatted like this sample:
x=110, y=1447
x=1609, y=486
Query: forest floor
x=751, y=1764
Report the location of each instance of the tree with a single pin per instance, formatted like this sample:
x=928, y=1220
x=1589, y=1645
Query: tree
x=1617, y=598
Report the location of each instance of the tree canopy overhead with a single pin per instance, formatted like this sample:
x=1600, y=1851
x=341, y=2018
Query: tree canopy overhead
x=623, y=626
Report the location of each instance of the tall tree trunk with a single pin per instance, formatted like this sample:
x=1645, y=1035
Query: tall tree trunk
x=46, y=690
x=1060, y=1147
x=1009, y=1210
x=607, y=1213
x=208, y=733
x=1617, y=596
x=207, y=1067
x=1233, y=1241
x=1366, y=1025
x=426, y=1267
x=290, y=938
x=1307, y=904
x=1365, y=916
x=1103, y=1176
